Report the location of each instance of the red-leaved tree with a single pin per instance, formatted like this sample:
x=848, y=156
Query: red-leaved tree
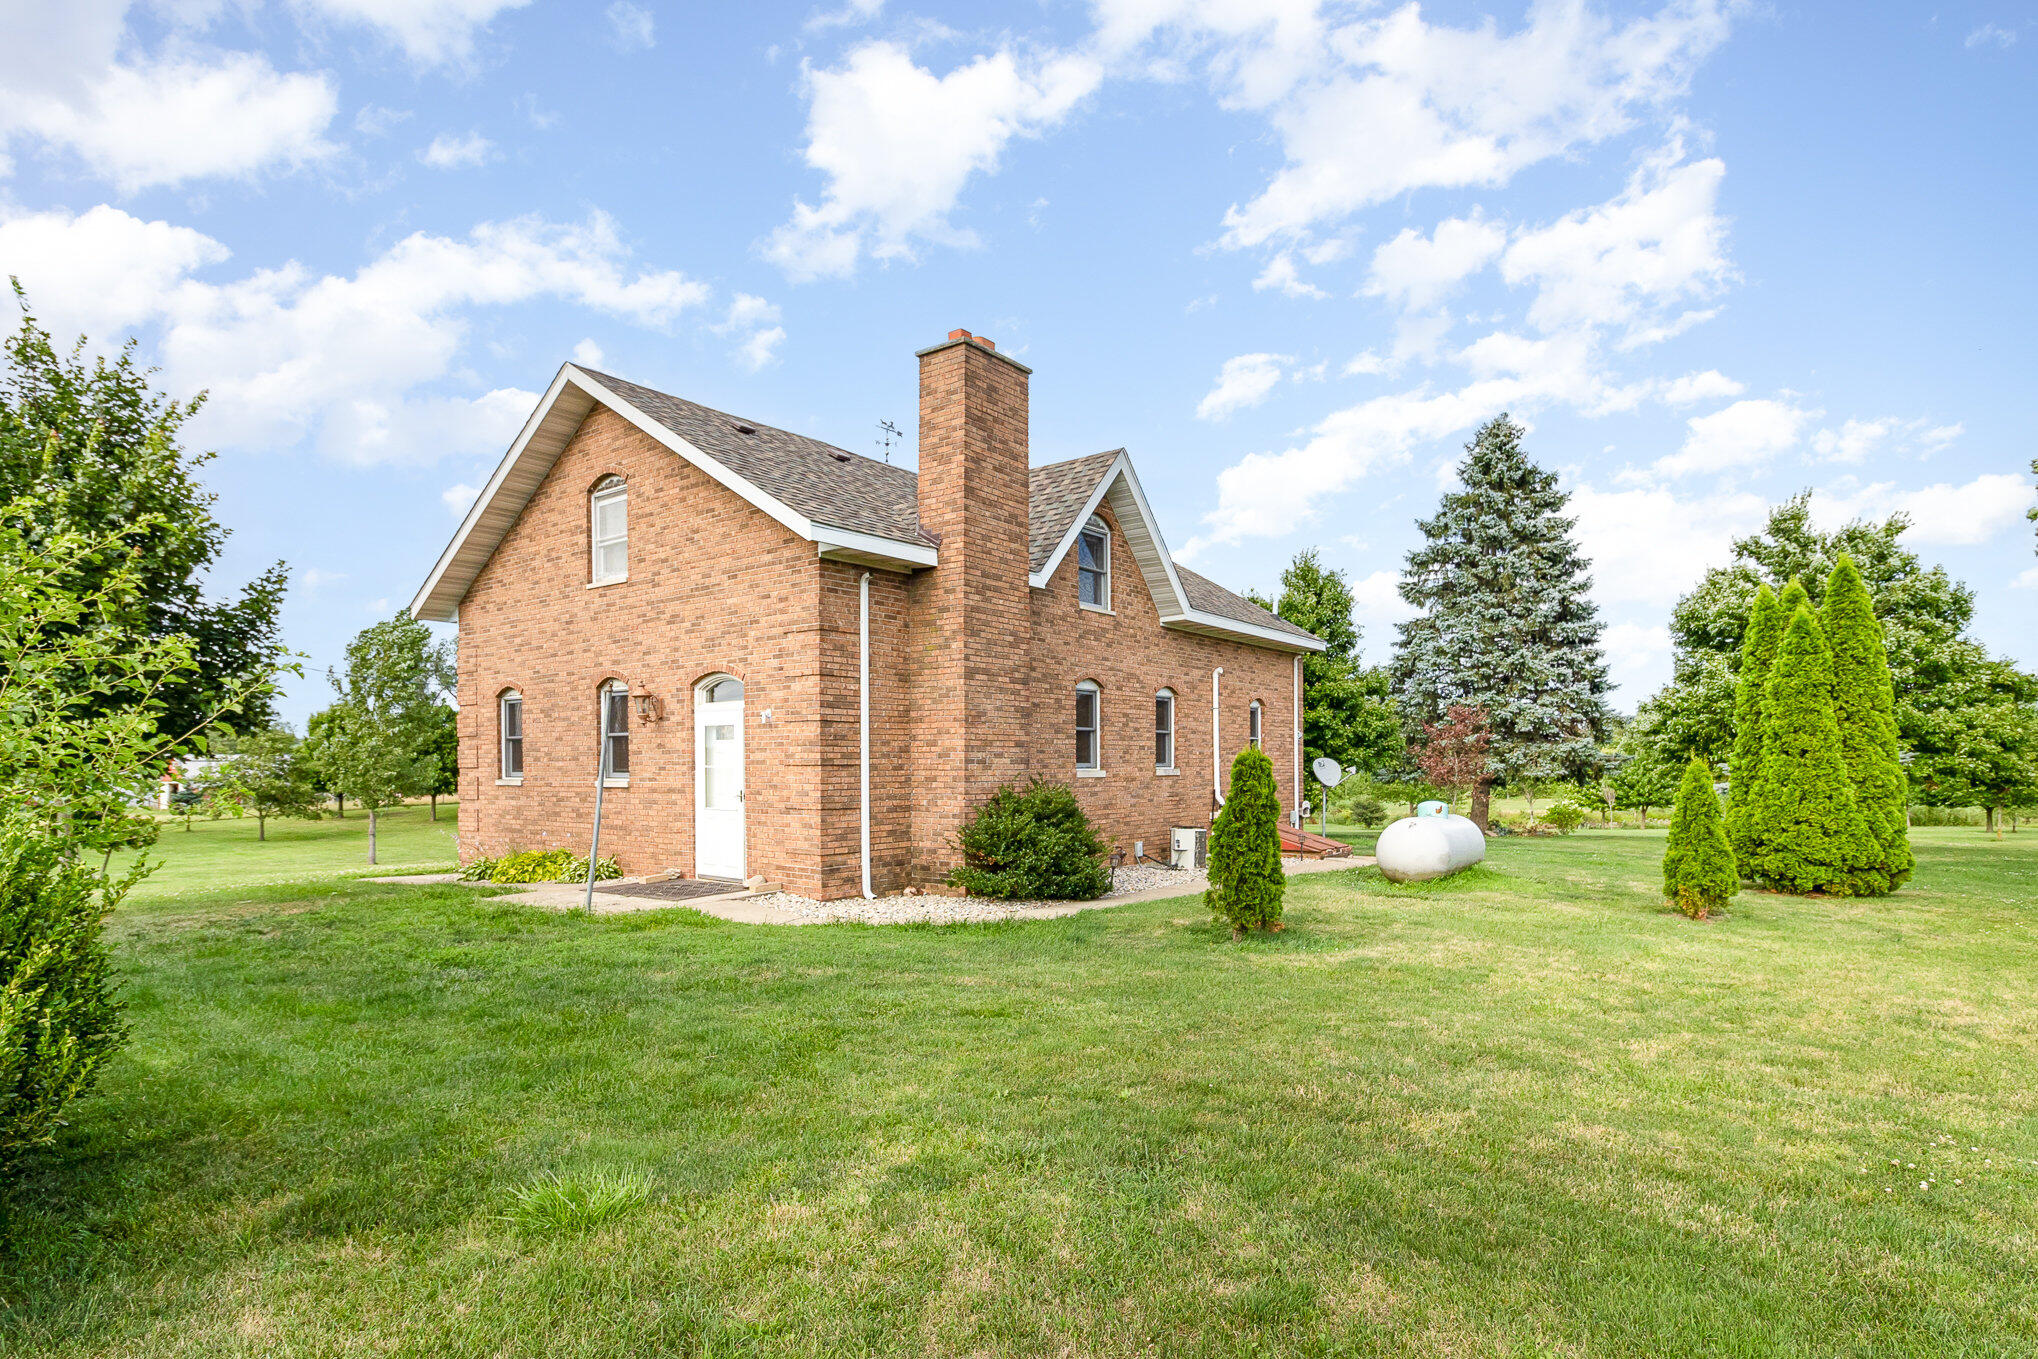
x=1452, y=755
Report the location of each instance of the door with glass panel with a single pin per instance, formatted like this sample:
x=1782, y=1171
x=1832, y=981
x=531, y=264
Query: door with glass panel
x=718, y=778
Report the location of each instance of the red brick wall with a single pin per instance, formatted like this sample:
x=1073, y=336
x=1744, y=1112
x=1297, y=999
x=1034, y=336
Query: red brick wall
x=968, y=617
x=1132, y=657
x=714, y=585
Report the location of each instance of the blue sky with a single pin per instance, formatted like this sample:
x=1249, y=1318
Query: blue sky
x=1287, y=253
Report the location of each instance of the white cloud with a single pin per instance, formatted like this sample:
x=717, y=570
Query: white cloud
x=345, y=361
x=587, y=354
x=1637, y=657
x=450, y=152
x=1628, y=263
x=459, y=498
x=1992, y=35
x=1857, y=440
x=313, y=579
x=898, y=143
x=378, y=120
x=2026, y=580
x=631, y=27
x=1417, y=271
x=1941, y=515
x=1439, y=106
x=754, y=322
x=1746, y=434
x=183, y=114
x=430, y=32
x=1711, y=385
x=1648, y=546
x=1242, y=382
x=852, y=13
x=1281, y=275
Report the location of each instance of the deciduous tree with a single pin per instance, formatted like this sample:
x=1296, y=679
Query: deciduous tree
x=1347, y=711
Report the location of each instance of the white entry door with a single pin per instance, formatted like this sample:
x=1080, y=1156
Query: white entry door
x=718, y=782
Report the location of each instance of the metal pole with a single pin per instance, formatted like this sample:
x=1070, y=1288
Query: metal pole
x=601, y=760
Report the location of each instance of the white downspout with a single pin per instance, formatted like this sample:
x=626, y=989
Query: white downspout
x=863, y=726
x=1297, y=713
x=1216, y=735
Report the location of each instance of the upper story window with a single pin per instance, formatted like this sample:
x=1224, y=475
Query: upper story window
x=1093, y=564
x=1164, y=731
x=609, y=522
x=511, y=711
x=1253, y=716
x=615, y=732
x=1089, y=711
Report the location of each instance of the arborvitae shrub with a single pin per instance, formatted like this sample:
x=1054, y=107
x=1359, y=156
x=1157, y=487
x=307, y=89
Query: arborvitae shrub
x=1699, y=873
x=1864, y=705
x=1807, y=826
x=1246, y=879
x=1032, y=843
x=59, y=1021
x=1744, y=767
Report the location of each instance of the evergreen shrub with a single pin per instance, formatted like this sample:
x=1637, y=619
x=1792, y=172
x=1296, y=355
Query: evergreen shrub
x=1246, y=878
x=1805, y=822
x=1032, y=843
x=1864, y=705
x=1744, y=766
x=1699, y=873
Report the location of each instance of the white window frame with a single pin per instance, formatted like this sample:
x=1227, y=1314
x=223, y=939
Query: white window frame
x=608, y=490
x=605, y=708
x=1096, y=528
x=1095, y=768
x=1164, y=696
x=505, y=701
x=1255, y=724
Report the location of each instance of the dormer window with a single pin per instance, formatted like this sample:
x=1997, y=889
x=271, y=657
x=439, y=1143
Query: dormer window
x=609, y=521
x=1093, y=565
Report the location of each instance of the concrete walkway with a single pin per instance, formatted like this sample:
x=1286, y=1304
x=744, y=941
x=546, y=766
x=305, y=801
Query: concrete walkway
x=753, y=908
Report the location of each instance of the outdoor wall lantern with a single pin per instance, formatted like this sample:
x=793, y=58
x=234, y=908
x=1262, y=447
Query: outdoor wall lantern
x=649, y=709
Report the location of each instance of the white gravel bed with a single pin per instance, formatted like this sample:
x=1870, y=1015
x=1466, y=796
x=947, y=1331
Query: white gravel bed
x=1130, y=881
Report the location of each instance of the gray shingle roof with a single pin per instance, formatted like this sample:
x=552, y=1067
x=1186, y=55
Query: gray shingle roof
x=831, y=485
x=1210, y=597
x=1055, y=494
x=828, y=485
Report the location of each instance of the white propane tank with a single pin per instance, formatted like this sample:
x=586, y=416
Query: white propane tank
x=1417, y=848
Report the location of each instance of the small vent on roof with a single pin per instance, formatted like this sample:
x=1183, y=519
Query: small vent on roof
x=839, y=457
x=745, y=429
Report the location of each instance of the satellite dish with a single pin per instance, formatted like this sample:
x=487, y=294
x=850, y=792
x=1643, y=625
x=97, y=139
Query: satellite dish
x=1328, y=772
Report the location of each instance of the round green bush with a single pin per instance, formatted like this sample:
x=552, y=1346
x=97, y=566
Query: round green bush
x=1034, y=844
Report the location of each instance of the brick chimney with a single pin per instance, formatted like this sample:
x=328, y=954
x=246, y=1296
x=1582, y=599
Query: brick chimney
x=972, y=612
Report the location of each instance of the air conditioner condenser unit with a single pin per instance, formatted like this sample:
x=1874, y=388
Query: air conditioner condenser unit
x=1188, y=847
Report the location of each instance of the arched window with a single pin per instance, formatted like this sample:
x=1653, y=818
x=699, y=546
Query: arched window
x=1164, y=732
x=1089, y=736
x=510, y=712
x=724, y=689
x=609, y=530
x=1093, y=564
x=1253, y=717
x=615, y=732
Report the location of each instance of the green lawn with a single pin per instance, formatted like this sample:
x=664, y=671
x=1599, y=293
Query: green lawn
x=214, y=855
x=1527, y=1112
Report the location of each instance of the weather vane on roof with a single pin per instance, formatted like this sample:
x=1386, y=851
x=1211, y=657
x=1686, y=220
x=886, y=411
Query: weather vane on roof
x=891, y=432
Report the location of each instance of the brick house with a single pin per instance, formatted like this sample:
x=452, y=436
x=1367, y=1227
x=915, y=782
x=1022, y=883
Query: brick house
x=798, y=663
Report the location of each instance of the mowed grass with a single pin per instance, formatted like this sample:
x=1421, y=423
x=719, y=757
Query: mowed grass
x=1525, y=1112
x=216, y=855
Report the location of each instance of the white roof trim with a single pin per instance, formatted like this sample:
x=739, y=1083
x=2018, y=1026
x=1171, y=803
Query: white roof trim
x=1156, y=561
x=573, y=393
